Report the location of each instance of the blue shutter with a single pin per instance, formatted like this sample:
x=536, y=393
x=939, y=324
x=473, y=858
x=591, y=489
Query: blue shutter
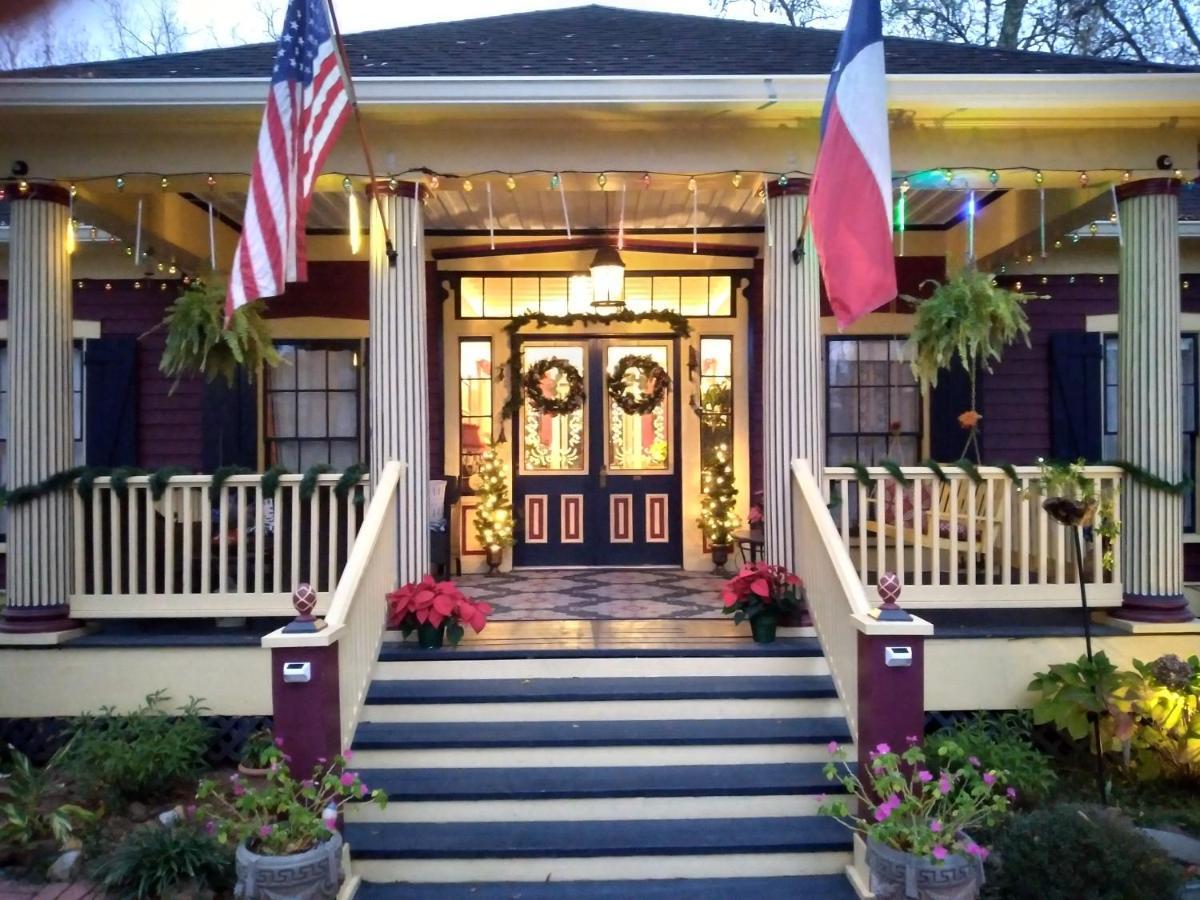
x=110, y=412
x=1076, y=395
x=949, y=400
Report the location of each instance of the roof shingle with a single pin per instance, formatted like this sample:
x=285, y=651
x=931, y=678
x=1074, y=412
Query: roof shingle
x=599, y=40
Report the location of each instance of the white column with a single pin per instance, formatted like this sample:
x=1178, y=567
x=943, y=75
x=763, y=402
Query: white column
x=793, y=371
x=39, y=404
x=1150, y=399
x=399, y=368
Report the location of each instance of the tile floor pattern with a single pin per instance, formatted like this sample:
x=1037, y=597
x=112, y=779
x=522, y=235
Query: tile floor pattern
x=540, y=594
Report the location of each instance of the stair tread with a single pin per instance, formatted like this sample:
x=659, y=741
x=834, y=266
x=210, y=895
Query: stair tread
x=809, y=887
x=760, y=779
x=598, y=733
x=654, y=837
x=397, y=650
x=525, y=690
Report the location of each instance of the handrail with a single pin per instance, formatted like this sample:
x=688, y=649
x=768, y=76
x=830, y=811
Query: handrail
x=831, y=541
x=357, y=614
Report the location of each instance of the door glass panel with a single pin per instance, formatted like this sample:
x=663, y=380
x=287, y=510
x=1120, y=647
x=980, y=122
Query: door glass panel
x=637, y=443
x=554, y=443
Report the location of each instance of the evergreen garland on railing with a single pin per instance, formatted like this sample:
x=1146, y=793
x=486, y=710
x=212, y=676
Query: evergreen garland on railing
x=308, y=484
x=271, y=478
x=1150, y=480
x=160, y=478
x=349, y=481
x=937, y=470
x=970, y=470
x=222, y=474
x=893, y=469
x=679, y=325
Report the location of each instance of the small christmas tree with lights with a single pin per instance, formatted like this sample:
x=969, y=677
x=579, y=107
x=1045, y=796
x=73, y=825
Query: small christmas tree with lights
x=717, y=515
x=493, y=514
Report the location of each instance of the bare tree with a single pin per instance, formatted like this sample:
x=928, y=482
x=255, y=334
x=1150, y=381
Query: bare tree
x=41, y=42
x=794, y=12
x=271, y=13
x=148, y=28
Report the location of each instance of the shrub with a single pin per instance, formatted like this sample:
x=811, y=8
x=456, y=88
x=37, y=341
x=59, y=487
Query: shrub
x=1067, y=852
x=29, y=810
x=142, y=754
x=1001, y=743
x=154, y=862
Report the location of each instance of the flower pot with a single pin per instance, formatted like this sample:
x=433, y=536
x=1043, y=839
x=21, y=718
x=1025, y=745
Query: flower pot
x=495, y=556
x=762, y=626
x=1070, y=512
x=896, y=875
x=312, y=875
x=720, y=556
x=430, y=637
x=251, y=772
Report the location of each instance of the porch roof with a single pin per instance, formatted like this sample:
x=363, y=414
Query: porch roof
x=596, y=40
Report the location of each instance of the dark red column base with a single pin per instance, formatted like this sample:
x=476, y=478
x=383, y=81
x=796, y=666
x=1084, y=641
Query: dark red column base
x=36, y=619
x=1157, y=609
x=307, y=715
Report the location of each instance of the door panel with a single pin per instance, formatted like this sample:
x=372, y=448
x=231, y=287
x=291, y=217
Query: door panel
x=599, y=486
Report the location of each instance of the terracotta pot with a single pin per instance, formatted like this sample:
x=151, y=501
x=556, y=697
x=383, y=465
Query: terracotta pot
x=720, y=556
x=896, y=875
x=314, y=874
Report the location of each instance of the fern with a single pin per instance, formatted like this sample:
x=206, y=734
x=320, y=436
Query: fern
x=199, y=341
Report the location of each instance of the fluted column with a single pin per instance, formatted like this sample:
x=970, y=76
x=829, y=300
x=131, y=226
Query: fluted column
x=793, y=379
x=1149, y=395
x=39, y=408
x=399, y=369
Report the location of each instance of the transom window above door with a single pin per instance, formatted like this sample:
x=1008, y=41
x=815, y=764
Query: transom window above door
x=506, y=296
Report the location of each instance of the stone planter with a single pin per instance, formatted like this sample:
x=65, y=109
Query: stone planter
x=720, y=556
x=495, y=556
x=315, y=874
x=896, y=875
x=431, y=637
x=762, y=627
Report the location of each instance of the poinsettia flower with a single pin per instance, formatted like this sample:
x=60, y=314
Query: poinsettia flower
x=761, y=586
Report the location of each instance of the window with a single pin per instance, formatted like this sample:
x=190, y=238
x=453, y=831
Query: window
x=475, y=402
x=79, y=449
x=873, y=404
x=502, y=297
x=716, y=396
x=313, y=410
x=1189, y=360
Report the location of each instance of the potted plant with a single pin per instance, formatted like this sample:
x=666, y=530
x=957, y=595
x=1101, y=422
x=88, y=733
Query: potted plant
x=762, y=593
x=717, y=515
x=1071, y=499
x=285, y=828
x=916, y=816
x=969, y=318
x=493, y=512
x=435, y=610
x=257, y=754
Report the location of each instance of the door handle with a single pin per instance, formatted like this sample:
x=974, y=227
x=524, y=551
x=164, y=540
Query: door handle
x=603, y=477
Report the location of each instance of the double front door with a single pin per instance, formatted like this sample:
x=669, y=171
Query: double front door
x=598, y=485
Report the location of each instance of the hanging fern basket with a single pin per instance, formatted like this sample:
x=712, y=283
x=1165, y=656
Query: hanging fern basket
x=201, y=342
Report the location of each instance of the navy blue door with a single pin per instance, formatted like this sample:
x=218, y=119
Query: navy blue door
x=598, y=487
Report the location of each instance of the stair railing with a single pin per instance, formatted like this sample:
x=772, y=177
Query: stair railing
x=320, y=679
x=866, y=654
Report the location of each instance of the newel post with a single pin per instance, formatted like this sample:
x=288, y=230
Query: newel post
x=305, y=689
x=891, y=674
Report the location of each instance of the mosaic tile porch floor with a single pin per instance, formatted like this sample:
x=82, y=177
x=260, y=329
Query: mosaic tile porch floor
x=545, y=594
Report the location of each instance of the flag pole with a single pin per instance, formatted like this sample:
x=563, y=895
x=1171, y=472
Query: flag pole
x=352, y=96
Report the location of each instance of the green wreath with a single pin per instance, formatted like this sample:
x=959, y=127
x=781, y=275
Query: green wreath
x=531, y=382
x=653, y=372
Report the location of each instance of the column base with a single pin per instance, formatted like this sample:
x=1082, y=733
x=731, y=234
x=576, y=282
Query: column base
x=1153, y=608
x=37, y=619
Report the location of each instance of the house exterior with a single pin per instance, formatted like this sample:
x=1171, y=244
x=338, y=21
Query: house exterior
x=511, y=151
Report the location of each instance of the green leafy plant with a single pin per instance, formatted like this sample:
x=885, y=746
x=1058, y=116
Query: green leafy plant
x=1162, y=698
x=201, y=342
x=141, y=754
x=29, y=809
x=1001, y=743
x=154, y=862
x=1072, y=498
x=258, y=749
x=1072, y=692
x=969, y=318
x=1068, y=852
x=919, y=804
x=284, y=815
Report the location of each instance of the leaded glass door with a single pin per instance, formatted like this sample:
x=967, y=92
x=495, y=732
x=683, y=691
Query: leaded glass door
x=599, y=485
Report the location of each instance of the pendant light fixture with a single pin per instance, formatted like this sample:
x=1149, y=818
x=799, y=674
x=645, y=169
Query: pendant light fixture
x=608, y=274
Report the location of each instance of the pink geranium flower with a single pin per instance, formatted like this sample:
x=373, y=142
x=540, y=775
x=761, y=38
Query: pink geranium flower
x=940, y=853
x=935, y=826
x=989, y=779
x=925, y=776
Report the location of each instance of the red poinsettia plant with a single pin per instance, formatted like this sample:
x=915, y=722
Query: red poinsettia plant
x=761, y=587
x=435, y=603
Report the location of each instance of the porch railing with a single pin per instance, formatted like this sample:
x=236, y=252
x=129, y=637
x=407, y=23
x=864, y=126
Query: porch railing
x=970, y=543
x=197, y=552
x=357, y=617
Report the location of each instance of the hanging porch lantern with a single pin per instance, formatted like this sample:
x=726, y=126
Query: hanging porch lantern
x=608, y=279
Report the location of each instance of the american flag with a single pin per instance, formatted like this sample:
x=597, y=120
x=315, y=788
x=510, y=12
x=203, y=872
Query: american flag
x=305, y=110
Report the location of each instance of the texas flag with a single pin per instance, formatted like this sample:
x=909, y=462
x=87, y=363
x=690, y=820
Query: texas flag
x=850, y=203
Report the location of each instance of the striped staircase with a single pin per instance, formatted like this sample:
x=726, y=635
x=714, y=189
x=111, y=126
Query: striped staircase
x=627, y=772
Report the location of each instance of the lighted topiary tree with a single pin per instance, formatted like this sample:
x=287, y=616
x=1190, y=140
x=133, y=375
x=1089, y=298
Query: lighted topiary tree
x=493, y=514
x=717, y=515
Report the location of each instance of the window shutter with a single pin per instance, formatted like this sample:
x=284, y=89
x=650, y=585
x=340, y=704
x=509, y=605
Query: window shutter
x=110, y=413
x=949, y=400
x=230, y=419
x=1076, y=395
